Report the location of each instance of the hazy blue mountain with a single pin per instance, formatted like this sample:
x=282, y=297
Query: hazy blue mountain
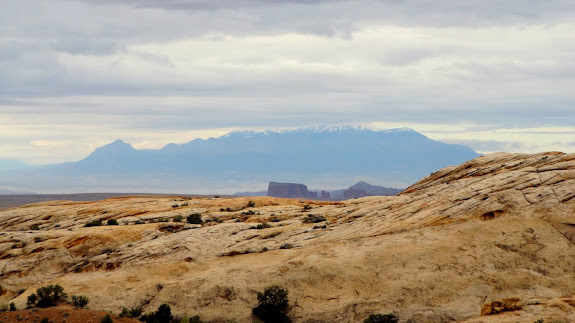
x=370, y=189
x=11, y=192
x=316, y=156
x=258, y=193
x=12, y=164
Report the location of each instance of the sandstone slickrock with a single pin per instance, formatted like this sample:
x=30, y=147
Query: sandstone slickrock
x=499, y=227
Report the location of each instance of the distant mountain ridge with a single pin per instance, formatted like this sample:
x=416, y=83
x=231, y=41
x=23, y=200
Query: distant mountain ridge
x=367, y=188
x=318, y=156
x=294, y=190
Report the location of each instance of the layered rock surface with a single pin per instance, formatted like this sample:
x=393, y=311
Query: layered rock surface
x=498, y=227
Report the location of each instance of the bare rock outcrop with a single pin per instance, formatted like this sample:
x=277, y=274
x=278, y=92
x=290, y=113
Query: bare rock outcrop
x=289, y=190
x=498, y=228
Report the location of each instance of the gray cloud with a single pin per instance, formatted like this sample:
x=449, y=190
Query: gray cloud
x=176, y=65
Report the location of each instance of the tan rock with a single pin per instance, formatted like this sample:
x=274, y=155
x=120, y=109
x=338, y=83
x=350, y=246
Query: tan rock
x=494, y=228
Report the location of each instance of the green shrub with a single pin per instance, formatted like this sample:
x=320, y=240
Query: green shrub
x=32, y=299
x=178, y=218
x=381, y=318
x=263, y=225
x=112, y=222
x=184, y=204
x=273, y=304
x=133, y=312
x=107, y=319
x=12, y=307
x=306, y=208
x=50, y=295
x=251, y=204
x=286, y=246
x=162, y=315
x=194, y=218
x=35, y=227
x=195, y=319
x=175, y=206
x=80, y=301
x=311, y=218
x=94, y=223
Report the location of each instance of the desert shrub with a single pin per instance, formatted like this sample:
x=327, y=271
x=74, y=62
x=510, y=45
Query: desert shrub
x=38, y=239
x=275, y=220
x=286, y=246
x=107, y=319
x=381, y=318
x=12, y=307
x=195, y=319
x=251, y=204
x=133, y=312
x=263, y=225
x=107, y=250
x=307, y=207
x=50, y=295
x=80, y=301
x=184, y=204
x=139, y=222
x=186, y=319
x=35, y=227
x=236, y=253
x=112, y=222
x=32, y=299
x=3, y=308
x=272, y=305
x=46, y=320
x=162, y=315
x=175, y=206
x=178, y=218
x=94, y=223
x=163, y=220
x=194, y=218
x=311, y=218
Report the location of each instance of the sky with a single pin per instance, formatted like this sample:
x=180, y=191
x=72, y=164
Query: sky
x=78, y=74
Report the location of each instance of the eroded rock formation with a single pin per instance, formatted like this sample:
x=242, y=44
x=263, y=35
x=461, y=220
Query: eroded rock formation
x=289, y=190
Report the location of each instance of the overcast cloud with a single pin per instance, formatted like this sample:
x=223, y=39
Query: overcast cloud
x=74, y=75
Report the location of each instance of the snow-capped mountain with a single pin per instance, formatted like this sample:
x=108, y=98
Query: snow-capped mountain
x=314, y=155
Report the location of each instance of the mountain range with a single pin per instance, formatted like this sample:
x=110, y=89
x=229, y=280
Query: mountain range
x=318, y=156
x=360, y=189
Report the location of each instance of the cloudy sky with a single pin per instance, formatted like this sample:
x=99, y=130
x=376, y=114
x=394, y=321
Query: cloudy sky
x=77, y=74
